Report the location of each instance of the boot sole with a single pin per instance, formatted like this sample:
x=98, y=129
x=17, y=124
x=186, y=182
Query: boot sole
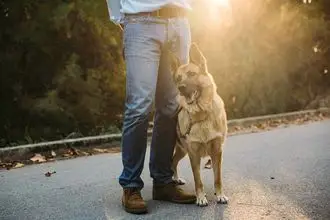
x=187, y=201
x=135, y=211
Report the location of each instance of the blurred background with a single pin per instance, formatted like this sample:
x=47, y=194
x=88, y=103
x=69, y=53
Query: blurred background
x=62, y=73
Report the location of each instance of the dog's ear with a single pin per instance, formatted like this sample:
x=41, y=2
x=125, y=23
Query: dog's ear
x=196, y=57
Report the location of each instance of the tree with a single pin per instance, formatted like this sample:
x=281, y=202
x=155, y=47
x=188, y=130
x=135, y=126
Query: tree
x=61, y=68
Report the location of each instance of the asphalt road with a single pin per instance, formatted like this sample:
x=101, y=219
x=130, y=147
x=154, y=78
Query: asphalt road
x=279, y=174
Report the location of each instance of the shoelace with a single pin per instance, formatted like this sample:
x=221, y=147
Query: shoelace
x=135, y=194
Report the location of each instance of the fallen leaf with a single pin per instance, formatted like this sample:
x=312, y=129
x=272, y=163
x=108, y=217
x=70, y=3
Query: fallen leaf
x=18, y=165
x=38, y=158
x=53, y=153
x=114, y=150
x=4, y=164
x=100, y=150
x=261, y=126
x=253, y=127
x=85, y=153
x=7, y=166
x=72, y=151
x=79, y=152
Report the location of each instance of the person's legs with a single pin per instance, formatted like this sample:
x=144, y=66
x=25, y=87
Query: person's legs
x=142, y=46
x=164, y=133
x=143, y=40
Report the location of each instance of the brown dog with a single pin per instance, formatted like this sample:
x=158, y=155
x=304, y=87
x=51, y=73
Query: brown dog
x=202, y=123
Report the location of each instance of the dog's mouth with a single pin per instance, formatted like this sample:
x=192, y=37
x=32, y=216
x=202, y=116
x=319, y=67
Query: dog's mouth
x=190, y=93
x=193, y=97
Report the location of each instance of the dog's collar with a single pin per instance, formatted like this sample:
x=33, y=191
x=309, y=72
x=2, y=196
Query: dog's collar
x=189, y=128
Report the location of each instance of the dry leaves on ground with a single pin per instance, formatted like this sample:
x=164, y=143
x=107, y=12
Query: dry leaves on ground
x=87, y=151
x=99, y=150
x=53, y=153
x=107, y=150
x=276, y=123
x=18, y=165
x=38, y=158
x=71, y=152
x=12, y=165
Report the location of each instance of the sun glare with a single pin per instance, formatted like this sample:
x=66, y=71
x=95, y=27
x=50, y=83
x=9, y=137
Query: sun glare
x=223, y=3
x=218, y=11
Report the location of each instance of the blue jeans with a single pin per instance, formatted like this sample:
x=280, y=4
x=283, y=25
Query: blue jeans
x=147, y=42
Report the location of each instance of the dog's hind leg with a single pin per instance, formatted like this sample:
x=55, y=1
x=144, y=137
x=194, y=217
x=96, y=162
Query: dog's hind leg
x=195, y=161
x=178, y=155
x=216, y=157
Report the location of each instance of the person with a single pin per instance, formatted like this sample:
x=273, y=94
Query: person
x=152, y=31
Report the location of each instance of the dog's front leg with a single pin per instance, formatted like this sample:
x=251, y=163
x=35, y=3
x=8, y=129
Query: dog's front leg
x=195, y=161
x=179, y=153
x=216, y=157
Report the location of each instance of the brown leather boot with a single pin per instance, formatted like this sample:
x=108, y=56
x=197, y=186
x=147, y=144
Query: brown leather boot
x=172, y=193
x=133, y=201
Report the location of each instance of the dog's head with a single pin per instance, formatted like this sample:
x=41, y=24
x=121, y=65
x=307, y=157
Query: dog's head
x=193, y=81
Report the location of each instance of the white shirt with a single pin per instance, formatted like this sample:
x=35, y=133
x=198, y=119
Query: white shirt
x=117, y=8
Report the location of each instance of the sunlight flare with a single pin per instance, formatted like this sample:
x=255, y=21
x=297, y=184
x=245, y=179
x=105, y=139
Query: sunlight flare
x=219, y=11
x=222, y=3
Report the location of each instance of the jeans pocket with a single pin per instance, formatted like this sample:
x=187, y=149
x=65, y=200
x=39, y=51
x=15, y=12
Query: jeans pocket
x=131, y=28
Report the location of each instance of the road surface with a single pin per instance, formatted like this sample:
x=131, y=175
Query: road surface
x=279, y=174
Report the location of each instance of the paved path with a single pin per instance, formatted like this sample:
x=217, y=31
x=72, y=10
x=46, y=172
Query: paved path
x=298, y=159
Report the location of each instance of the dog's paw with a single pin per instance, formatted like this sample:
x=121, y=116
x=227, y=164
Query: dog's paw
x=201, y=200
x=179, y=181
x=222, y=199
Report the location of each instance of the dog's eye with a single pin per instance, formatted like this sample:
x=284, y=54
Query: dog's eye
x=190, y=74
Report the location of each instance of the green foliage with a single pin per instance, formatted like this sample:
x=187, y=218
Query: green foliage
x=61, y=69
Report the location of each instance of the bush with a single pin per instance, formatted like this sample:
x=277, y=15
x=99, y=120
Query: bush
x=61, y=70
